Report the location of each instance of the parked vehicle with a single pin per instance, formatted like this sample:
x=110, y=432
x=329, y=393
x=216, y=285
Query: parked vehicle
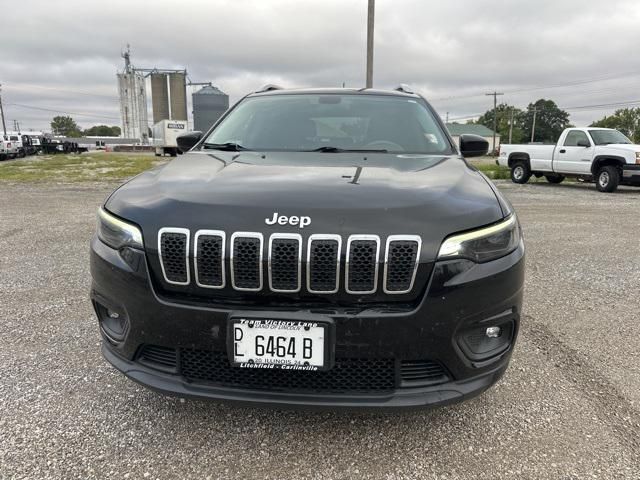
x=23, y=144
x=325, y=247
x=28, y=146
x=165, y=134
x=602, y=155
x=52, y=146
x=8, y=147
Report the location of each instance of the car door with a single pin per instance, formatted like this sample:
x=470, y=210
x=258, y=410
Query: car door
x=575, y=155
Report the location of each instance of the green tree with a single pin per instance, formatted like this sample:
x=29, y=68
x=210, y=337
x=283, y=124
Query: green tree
x=627, y=120
x=102, y=131
x=550, y=121
x=66, y=126
x=505, y=114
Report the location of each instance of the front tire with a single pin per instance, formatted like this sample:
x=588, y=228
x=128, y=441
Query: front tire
x=608, y=179
x=520, y=173
x=554, y=178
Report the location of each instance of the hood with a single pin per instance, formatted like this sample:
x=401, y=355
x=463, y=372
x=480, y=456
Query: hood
x=431, y=196
x=623, y=147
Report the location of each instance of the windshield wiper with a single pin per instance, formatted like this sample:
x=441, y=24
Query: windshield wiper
x=229, y=146
x=342, y=150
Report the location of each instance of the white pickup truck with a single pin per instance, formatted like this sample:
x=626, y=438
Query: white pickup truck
x=602, y=155
x=8, y=146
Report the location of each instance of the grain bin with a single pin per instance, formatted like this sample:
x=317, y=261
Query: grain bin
x=209, y=103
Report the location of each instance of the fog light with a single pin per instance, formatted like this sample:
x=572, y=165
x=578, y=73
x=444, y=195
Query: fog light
x=493, y=332
x=114, y=324
x=480, y=342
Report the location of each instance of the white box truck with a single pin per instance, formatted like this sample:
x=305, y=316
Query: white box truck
x=165, y=133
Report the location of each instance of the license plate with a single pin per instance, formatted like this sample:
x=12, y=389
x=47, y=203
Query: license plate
x=284, y=344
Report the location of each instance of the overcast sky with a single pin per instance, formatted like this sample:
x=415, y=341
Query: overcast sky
x=64, y=56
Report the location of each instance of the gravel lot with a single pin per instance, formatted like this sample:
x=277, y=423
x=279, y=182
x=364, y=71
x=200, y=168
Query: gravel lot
x=568, y=407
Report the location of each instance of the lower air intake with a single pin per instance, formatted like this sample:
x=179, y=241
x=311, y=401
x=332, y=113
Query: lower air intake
x=160, y=358
x=347, y=375
x=422, y=372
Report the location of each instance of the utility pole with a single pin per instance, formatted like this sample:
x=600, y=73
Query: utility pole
x=511, y=125
x=533, y=127
x=4, y=127
x=447, y=120
x=495, y=116
x=370, y=23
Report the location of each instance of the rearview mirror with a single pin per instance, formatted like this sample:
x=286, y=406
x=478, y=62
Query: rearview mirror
x=473, y=145
x=583, y=143
x=188, y=140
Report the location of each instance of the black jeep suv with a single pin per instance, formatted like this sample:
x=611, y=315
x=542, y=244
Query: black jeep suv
x=315, y=247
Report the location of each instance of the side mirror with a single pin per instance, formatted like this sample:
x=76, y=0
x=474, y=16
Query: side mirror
x=473, y=145
x=583, y=143
x=188, y=140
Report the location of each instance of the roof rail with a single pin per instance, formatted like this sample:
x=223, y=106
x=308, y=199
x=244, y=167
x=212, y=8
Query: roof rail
x=403, y=87
x=268, y=87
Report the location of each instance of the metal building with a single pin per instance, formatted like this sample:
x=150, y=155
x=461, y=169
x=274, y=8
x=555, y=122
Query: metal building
x=133, y=102
x=209, y=103
x=159, y=97
x=178, y=95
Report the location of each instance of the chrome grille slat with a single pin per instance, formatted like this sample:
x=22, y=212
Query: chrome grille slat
x=246, y=261
x=209, y=257
x=285, y=262
x=173, y=252
x=401, y=258
x=323, y=263
x=363, y=253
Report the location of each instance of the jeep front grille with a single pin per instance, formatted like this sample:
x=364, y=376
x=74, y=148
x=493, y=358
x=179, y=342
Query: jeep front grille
x=246, y=261
x=400, y=263
x=285, y=256
x=173, y=249
x=321, y=268
x=323, y=263
x=362, y=263
x=209, y=258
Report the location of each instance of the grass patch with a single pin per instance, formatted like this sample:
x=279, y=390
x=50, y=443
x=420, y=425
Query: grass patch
x=495, y=172
x=86, y=167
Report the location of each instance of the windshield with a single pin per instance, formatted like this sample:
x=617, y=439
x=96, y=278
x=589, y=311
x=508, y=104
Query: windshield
x=331, y=123
x=605, y=137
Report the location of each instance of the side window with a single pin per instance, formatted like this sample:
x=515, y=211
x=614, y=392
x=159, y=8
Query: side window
x=575, y=136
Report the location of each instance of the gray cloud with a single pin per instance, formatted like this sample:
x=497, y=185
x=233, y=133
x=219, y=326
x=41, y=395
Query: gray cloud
x=65, y=58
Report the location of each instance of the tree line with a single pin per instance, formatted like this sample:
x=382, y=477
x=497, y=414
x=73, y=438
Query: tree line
x=66, y=126
x=550, y=121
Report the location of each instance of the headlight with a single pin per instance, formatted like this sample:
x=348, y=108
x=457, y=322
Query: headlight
x=116, y=233
x=484, y=244
x=638, y=157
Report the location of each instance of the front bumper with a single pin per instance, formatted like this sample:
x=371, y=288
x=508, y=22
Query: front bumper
x=631, y=174
x=461, y=297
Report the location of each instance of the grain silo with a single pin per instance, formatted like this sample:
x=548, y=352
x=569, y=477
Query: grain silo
x=178, y=95
x=159, y=97
x=209, y=104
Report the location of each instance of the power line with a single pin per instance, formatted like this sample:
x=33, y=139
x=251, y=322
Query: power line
x=549, y=86
x=81, y=114
x=601, y=106
x=22, y=86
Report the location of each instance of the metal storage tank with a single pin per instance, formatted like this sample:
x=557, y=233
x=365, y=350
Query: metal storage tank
x=159, y=97
x=178, y=95
x=209, y=103
x=133, y=106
